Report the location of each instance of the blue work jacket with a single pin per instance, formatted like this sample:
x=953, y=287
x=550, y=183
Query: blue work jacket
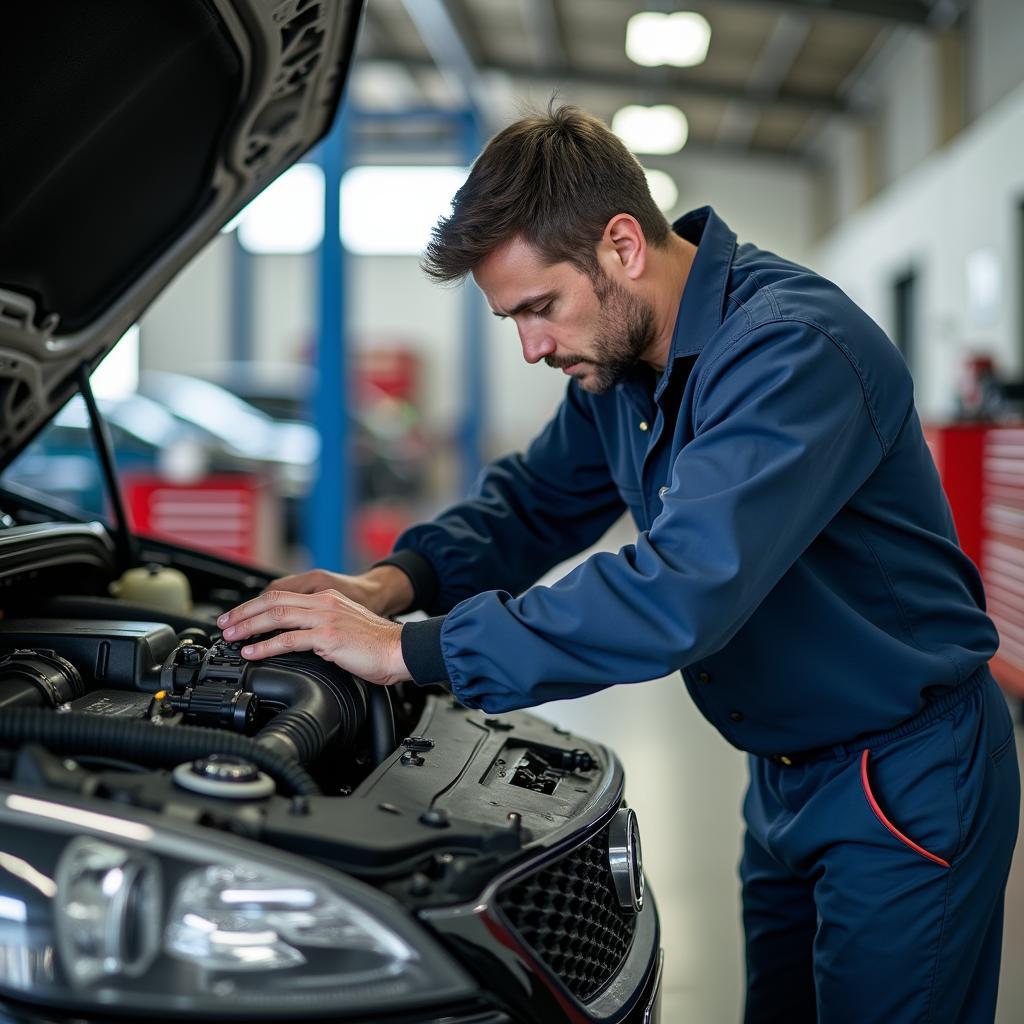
x=796, y=557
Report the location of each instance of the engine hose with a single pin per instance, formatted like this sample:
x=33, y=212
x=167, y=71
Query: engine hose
x=322, y=704
x=382, y=723
x=141, y=741
x=32, y=678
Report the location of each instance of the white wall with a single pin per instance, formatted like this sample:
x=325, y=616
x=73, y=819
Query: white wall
x=909, y=116
x=190, y=322
x=901, y=125
x=283, y=308
x=902, y=92
x=963, y=198
x=842, y=186
x=995, y=42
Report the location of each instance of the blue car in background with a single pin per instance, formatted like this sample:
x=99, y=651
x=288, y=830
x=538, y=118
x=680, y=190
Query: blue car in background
x=62, y=462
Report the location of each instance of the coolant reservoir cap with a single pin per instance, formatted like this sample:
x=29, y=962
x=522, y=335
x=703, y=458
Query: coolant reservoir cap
x=226, y=776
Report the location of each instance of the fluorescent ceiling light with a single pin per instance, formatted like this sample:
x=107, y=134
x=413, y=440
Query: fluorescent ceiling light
x=658, y=129
x=680, y=39
x=391, y=210
x=663, y=189
x=287, y=216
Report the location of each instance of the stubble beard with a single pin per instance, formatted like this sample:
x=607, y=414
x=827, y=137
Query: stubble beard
x=625, y=331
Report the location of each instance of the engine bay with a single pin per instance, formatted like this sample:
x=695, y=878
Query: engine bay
x=105, y=697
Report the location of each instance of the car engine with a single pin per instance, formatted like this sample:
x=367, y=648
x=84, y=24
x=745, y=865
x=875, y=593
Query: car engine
x=478, y=826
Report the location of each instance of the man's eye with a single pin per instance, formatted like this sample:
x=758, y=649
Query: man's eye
x=544, y=310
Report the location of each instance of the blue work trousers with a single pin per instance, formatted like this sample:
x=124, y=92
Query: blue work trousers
x=873, y=874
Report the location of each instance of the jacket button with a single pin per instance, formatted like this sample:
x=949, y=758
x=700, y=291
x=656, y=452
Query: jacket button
x=736, y=716
x=643, y=425
x=662, y=491
x=704, y=677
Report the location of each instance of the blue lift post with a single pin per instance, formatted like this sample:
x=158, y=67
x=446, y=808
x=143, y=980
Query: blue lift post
x=331, y=501
x=474, y=384
x=470, y=431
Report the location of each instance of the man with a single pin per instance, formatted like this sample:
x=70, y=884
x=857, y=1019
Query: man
x=796, y=561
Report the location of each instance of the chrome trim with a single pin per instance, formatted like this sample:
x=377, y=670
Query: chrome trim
x=625, y=860
x=656, y=991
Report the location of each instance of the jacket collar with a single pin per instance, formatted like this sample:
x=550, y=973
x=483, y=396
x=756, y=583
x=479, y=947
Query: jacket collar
x=701, y=307
x=700, y=311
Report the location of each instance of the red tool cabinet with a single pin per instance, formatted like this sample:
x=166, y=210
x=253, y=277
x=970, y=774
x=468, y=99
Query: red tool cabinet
x=982, y=471
x=232, y=515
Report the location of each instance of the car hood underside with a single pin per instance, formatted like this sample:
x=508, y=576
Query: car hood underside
x=132, y=134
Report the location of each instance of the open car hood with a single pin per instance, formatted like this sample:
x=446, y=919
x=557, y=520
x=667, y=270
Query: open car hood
x=132, y=133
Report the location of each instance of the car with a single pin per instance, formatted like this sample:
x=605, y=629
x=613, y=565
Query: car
x=289, y=447
x=185, y=835
x=61, y=461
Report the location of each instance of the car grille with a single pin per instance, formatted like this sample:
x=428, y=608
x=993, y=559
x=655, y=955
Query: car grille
x=568, y=915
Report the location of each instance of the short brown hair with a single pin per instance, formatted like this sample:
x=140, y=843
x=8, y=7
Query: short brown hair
x=554, y=178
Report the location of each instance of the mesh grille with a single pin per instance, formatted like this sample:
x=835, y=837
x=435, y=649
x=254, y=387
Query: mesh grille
x=568, y=915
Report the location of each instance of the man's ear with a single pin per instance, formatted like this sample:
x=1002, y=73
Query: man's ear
x=625, y=246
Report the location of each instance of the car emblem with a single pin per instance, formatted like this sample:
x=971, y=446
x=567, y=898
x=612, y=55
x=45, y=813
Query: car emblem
x=625, y=860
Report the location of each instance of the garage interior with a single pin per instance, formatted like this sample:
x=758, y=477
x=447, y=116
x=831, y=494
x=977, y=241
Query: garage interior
x=880, y=142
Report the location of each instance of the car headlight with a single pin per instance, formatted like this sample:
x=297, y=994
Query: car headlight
x=98, y=911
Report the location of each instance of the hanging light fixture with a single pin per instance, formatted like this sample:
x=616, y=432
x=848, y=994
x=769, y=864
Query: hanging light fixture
x=658, y=129
x=679, y=39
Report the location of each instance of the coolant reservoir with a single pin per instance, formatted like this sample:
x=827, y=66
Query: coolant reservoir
x=158, y=586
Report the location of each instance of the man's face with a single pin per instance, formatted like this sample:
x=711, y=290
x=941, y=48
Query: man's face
x=595, y=331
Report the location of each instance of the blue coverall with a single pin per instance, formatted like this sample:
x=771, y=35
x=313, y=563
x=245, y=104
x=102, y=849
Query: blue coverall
x=797, y=562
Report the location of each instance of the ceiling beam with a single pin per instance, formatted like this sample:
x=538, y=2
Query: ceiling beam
x=654, y=85
x=740, y=120
x=447, y=49
x=462, y=23
x=544, y=29
x=932, y=14
x=372, y=32
x=380, y=135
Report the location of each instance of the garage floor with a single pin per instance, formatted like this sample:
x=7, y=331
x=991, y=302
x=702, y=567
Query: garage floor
x=686, y=785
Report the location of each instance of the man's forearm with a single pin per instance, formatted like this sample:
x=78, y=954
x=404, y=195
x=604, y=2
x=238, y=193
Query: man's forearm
x=395, y=594
x=419, y=575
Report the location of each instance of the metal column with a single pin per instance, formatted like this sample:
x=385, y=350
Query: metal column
x=474, y=384
x=329, y=506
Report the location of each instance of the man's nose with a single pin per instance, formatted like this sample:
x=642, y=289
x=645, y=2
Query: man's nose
x=536, y=345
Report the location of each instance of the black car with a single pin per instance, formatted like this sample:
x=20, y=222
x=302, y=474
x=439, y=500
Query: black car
x=185, y=836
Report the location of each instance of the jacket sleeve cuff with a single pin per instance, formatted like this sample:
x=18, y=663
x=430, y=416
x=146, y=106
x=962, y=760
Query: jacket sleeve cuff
x=421, y=651
x=421, y=575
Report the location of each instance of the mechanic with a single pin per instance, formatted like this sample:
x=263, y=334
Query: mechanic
x=796, y=561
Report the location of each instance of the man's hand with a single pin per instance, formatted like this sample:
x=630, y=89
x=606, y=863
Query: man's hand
x=328, y=623
x=385, y=590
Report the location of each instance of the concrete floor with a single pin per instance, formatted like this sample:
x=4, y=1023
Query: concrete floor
x=686, y=785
